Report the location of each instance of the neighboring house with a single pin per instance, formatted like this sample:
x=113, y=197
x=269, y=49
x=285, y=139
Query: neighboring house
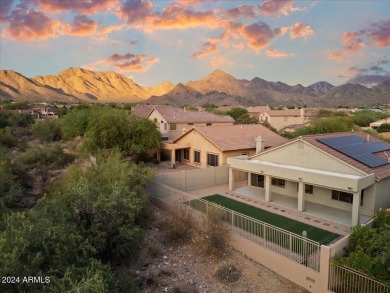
x=376, y=124
x=142, y=111
x=44, y=112
x=254, y=112
x=204, y=146
x=280, y=119
x=309, y=170
x=173, y=122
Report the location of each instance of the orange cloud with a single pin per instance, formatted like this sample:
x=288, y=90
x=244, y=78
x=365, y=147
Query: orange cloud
x=275, y=53
x=79, y=6
x=352, y=42
x=210, y=48
x=108, y=29
x=278, y=7
x=81, y=26
x=178, y=17
x=300, y=30
x=220, y=60
x=30, y=25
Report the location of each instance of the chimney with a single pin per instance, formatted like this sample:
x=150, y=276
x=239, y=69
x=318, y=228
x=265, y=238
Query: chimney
x=368, y=137
x=302, y=112
x=260, y=144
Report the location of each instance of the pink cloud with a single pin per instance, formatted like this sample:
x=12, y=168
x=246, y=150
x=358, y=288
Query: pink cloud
x=275, y=53
x=220, y=61
x=379, y=33
x=277, y=7
x=81, y=26
x=352, y=41
x=135, y=11
x=300, y=30
x=5, y=6
x=125, y=63
x=30, y=25
x=258, y=34
x=211, y=47
x=335, y=55
x=79, y=6
x=242, y=10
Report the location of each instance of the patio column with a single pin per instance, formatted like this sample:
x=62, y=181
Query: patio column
x=267, y=186
x=355, y=208
x=173, y=158
x=231, y=179
x=301, y=196
x=249, y=178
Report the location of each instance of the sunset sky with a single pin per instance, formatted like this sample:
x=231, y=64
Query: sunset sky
x=181, y=40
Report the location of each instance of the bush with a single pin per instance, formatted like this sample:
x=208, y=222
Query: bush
x=47, y=130
x=227, y=273
x=385, y=127
x=7, y=138
x=75, y=123
x=179, y=225
x=48, y=155
x=213, y=240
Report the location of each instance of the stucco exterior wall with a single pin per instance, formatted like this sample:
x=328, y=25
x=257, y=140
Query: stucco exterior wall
x=280, y=122
x=200, y=143
x=382, y=194
x=304, y=155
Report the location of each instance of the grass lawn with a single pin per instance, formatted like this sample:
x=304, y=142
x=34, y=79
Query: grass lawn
x=313, y=233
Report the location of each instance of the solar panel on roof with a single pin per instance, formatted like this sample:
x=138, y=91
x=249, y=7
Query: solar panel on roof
x=358, y=149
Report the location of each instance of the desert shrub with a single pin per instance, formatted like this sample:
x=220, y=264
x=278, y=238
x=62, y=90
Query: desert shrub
x=213, y=239
x=148, y=252
x=75, y=123
x=49, y=155
x=179, y=225
x=47, y=130
x=385, y=127
x=227, y=273
x=7, y=138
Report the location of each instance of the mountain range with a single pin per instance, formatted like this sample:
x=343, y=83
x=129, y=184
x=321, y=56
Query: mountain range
x=220, y=88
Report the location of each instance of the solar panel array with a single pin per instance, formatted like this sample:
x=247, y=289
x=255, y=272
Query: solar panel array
x=358, y=149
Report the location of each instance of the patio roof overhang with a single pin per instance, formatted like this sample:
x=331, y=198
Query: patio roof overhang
x=175, y=146
x=327, y=179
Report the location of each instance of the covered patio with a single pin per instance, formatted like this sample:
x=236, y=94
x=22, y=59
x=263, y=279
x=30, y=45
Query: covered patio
x=293, y=180
x=311, y=209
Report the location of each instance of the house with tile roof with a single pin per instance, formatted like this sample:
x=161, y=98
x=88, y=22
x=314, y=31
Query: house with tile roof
x=142, y=110
x=173, y=122
x=343, y=172
x=378, y=123
x=280, y=119
x=205, y=146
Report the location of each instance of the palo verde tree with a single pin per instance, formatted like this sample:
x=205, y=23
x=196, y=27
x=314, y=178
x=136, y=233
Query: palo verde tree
x=114, y=128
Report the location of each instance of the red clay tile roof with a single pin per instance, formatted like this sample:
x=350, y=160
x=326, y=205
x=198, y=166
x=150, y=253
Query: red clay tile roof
x=177, y=115
x=292, y=112
x=380, y=172
x=238, y=137
x=142, y=111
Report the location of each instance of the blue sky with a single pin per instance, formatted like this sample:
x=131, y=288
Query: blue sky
x=181, y=40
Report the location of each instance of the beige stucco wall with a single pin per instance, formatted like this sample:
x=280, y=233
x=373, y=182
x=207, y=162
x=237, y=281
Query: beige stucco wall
x=383, y=194
x=280, y=122
x=301, y=154
x=200, y=143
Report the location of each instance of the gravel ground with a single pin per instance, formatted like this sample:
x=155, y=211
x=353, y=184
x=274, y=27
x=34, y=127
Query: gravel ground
x=168, y=267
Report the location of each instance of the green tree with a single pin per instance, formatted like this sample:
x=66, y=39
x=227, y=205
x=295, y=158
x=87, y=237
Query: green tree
x=112, y=128
x=75, y=123
x=327, y=125
x=47, y=130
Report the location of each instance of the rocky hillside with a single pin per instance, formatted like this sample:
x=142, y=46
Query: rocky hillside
x=220, y=88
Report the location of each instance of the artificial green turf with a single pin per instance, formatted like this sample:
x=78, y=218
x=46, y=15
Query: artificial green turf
x=313, y=233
